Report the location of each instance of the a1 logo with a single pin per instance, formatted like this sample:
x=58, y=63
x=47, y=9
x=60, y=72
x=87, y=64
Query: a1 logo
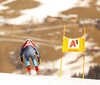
x=73, y=43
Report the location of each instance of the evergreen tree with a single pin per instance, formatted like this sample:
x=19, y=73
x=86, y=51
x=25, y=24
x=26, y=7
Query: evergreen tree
x=94, y=73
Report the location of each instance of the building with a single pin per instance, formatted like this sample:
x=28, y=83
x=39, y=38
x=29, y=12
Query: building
x=69, y=18
x=51, y=19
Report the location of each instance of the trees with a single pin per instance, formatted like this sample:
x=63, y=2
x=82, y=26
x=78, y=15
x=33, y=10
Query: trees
x=93, y=73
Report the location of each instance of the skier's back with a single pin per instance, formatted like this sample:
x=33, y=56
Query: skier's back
x=30, y=50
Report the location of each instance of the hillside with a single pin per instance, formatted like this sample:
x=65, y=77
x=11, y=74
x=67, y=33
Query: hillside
x=12, y=8
x=47, y=37
x=85, y=9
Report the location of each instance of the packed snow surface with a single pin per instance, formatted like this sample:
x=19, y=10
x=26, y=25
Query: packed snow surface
x=15, y=79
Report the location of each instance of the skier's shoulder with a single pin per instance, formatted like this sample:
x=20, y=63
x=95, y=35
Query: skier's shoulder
x=33, y=44
x=24, y=44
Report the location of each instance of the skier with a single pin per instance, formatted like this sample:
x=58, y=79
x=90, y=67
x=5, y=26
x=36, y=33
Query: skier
x=30, y=50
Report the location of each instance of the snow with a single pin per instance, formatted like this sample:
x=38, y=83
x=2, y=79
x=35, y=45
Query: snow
x=7, y=1
x=98, y=2
x=52, y=8
x=3, y=3
x=68, y=68
x=2, y=33
x=83, y=3
x=15, y=79
x=55, y=33
x=3, y=7
x=48, y=7
x=70, y=63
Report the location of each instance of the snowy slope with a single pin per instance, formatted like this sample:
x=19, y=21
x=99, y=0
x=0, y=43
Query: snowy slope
x=47, y=8
x=15, y=79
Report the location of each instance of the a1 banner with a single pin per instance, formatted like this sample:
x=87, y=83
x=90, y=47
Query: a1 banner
x=73, y=44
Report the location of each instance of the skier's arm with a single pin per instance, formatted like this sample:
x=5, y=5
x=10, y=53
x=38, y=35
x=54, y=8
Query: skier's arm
x=37, y=52
x=21, y=55
x=38, y=55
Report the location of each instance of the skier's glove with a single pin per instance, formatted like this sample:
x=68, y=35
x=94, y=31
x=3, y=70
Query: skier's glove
x=21, y=59
x=39, y=61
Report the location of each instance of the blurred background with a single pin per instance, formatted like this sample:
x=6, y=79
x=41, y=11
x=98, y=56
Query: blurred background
x=43, y=21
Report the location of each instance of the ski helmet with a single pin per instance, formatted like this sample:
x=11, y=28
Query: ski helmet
x=28, y=40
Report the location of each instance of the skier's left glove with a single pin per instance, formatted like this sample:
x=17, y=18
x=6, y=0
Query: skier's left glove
x=39, y=61
x=21, y=59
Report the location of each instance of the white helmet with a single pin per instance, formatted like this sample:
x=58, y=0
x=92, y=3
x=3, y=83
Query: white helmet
x=28, y=40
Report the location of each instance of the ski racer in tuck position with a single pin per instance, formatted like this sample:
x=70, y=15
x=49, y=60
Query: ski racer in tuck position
x=30, y=50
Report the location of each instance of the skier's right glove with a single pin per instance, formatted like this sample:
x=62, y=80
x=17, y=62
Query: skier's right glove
x=39, y=61
x=21, y=59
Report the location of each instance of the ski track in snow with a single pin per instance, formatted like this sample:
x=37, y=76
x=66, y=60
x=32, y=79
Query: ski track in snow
x=38, y=41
